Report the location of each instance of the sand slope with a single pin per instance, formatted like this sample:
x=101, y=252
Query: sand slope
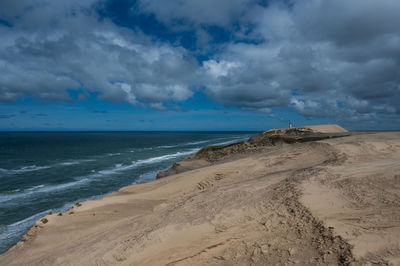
x=333, y=128
x=302, y=203
x=329, y=128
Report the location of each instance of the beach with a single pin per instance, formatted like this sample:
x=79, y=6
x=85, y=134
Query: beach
x=70, y=167
x=309, y=196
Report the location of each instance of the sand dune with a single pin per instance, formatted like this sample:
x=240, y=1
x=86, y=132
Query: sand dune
x=328, y=202
x=327, y=128
x=330, y=128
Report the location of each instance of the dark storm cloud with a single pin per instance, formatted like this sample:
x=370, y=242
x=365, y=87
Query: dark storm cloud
x=338, y=59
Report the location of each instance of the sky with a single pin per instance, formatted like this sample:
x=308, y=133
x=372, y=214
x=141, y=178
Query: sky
x=199, y=65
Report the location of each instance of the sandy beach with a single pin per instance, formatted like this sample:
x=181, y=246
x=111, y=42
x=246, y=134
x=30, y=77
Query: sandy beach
x=313, y=196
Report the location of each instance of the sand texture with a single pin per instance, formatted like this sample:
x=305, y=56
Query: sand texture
x=327, y=128
x=269, y=201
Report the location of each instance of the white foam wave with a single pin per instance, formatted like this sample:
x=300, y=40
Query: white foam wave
x=34, y=191
x=33, y=168
x=74, y=162
x=79, y=181
x=166, y=146
x=24, y=169
x=114, y=154
x=35, y=187
x=166, y=157
x=120, y=168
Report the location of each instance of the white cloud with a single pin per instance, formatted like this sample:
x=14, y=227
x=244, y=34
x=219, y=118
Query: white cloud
x=80, y=51
x=158, y=107
x=318, y=57
x=341, y=57
x=219, y=69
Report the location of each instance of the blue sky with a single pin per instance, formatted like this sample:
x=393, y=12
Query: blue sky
x=198, y=65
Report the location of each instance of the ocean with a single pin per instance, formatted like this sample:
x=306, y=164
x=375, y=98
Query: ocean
x=50, y=171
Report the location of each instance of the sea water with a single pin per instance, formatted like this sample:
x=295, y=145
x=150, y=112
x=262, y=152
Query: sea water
x=50, y=171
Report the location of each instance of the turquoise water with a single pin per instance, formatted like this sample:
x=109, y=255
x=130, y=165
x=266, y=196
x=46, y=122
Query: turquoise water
x=42, y=171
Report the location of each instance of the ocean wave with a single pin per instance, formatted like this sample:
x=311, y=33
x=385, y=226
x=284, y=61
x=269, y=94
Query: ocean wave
x=33, y=168
x=192, y=143
x=114, y=154
x=74, y=162
x=166, y=146
x=41, y=189
x=24, y=169
x=79, y=181
x=120, y=168
x=34, y=188
x=165, y=157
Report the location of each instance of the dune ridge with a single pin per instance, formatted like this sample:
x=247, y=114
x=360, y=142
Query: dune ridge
x=289, y=197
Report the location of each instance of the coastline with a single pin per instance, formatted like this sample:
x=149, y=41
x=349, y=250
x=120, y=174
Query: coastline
x=261, y=206
x=96, y=170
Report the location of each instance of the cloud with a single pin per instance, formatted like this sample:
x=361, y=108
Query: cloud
x=54, y=47
x=335, y=59
x=321, y=58
x=158, y=107
x=345, y=23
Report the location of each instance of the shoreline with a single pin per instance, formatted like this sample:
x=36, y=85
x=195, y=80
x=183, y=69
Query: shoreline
x=145, y=221
x=16, y=226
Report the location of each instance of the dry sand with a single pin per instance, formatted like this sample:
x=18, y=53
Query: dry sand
x=327, y=128
x=327, y=202
x=330, y=128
